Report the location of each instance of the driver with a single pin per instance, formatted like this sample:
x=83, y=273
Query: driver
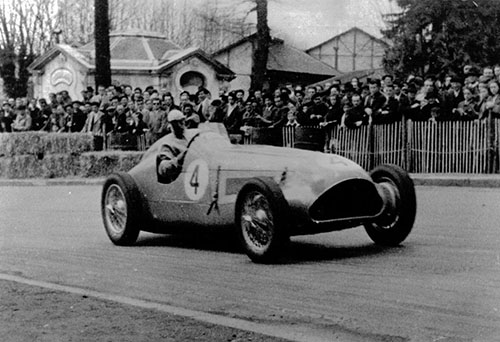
x=173, y=148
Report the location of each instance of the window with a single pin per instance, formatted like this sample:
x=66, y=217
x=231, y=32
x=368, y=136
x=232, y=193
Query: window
x=191, y=80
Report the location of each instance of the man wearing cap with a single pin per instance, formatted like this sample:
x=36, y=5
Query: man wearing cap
x=173, y=147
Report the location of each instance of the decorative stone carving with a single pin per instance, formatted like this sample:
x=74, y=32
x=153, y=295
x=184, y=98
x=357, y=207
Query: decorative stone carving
x=61, y=75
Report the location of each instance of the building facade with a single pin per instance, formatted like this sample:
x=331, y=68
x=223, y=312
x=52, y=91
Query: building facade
x=285, y=64
x=351, y=50
x=138, y=58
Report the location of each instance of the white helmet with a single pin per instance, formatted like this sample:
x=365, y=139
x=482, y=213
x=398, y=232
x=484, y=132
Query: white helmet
x=175, y=115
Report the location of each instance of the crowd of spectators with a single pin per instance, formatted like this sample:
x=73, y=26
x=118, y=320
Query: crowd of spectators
x=472, y=95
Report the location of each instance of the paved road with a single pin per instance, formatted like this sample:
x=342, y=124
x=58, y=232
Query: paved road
x=442, y=285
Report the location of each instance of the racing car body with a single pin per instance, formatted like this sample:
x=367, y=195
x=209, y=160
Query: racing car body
x=268, y=193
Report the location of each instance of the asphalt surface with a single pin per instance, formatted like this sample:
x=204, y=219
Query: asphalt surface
x=441, y=285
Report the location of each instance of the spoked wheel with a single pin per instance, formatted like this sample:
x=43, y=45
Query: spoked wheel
x=400, y=206
x=261, y=213
x=121, y=209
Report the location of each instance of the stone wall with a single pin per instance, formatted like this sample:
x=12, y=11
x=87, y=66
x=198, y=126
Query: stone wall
x=57, y=155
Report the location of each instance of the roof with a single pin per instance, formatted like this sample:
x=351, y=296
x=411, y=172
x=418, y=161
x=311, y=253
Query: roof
x=348, y=76
x=354, y=28
x=132, y=50
x=283, y=57
x=141, y=48
x=183, y=55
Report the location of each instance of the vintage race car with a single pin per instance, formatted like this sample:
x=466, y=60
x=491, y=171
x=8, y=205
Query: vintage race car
x=266, y=193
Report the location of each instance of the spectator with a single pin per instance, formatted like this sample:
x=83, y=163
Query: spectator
x=317, y=111
x=452, y=98
x=203, y=103
x=387, y=80
x=65, y=118
x=192, y=118
x=488, y=73
x=292, y=116
x=335, y=111
x=356, y=85
x=240, y=96
x=493, y=102
x=389, y=112
x=183, y=98
x=267, y=112
x=480, y=106
x=215, y=111
x=124, y=121
x=354, y=115
x=279, y=114
x=93, y=123
x=54, y=122
x=299, y=97
x=37, y=119
x=22, y=122
x=234, y=113
x=466, y=109
x=168, y=102
x=157, y=122
x=139, y=126
x=374, y=102
x=410, y=106
x=249, y=118
x=78, y=117
x=430, y=105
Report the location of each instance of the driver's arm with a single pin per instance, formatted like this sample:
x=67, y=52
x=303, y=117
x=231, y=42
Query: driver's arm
x=171, y=158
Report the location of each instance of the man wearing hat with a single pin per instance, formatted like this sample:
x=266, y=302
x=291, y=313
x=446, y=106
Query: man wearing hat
x=93, y=125
x=174, y=147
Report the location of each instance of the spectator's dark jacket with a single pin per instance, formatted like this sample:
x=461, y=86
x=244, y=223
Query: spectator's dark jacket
x=232, y=122
x=466, y=111
x=449, y=103
x=320, y=109
x=78, y=121
x=375, y=102
x=389, y=112
x=279, y=116
x=334, y=114
x=354, y=116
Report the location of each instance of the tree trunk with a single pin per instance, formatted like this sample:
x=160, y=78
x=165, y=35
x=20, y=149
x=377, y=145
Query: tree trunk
x=261, y=50
x=102, y=55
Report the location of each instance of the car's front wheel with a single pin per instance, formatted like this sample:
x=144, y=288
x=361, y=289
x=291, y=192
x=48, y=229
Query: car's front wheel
x=261, y=219
x=121, y=209
x=400, y=206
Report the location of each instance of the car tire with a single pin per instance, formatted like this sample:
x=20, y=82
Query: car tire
x=396, y=221
x=121, y=209
x=262, y=220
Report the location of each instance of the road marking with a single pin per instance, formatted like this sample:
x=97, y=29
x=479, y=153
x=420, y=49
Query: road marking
x=293, y=334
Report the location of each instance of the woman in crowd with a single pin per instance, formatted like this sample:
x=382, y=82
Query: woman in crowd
x=493, y=102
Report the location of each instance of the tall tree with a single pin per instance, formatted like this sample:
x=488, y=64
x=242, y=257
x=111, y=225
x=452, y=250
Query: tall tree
x=25, y=31
x=439, y=37
x=261, y=50
x=102, y=54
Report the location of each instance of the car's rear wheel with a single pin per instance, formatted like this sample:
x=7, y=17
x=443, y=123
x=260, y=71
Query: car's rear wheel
x=261, y=219
x=400, y=206
x=121, y=209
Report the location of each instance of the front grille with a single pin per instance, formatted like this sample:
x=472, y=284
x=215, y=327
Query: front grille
x=352, y=198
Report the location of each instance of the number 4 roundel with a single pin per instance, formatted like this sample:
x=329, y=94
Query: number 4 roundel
x=196, y=179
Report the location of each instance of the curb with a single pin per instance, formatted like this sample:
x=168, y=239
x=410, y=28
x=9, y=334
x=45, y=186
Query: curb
x=51, y=182
x=457, y=180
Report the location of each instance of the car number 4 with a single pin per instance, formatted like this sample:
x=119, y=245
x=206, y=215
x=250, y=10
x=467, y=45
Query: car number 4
x=196, y=179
